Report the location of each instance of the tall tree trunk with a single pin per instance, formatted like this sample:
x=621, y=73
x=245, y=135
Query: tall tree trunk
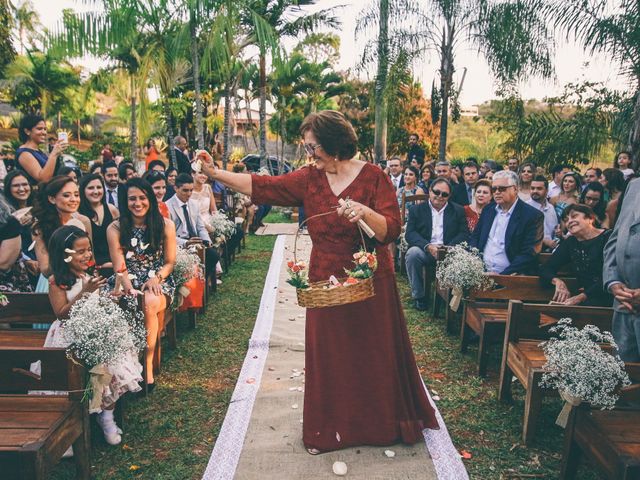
x=226, y=131
x=133, y=133
x=170, y=132
x=380, y=134
x=283, y=136
x=247, y=102
x=634, y=133
x=446, y=79
x=196, y=85
x=78, y=130
x=263, y=111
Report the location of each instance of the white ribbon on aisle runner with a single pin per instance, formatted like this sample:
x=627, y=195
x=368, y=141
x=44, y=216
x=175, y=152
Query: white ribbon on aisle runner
x=226, y=452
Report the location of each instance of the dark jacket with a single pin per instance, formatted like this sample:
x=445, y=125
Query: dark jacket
x=455, y=229
x=523, y=238
x=182, y=162
x=417, y=152
x=460, y=194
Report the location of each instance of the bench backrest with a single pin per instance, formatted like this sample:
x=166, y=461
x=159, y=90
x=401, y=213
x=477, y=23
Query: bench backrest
x=533, y=321
x=27, y=308
x=521, y=287
x=421, y=197
x=57, y=371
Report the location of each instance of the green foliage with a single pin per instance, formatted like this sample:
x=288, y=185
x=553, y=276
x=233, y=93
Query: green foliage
x=7, y=52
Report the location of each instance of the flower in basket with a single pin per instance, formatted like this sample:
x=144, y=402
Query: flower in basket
x=99, y=334
x=462, y=270
x=579, y=368
x=223, y=227
x=187, y=267
x=298, y=274
x=365, y=264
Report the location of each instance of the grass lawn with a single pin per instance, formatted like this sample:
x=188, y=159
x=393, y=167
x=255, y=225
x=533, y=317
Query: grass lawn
x=276, y=216
x=170, y=434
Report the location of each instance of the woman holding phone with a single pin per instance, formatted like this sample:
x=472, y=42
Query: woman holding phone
x=37, y=165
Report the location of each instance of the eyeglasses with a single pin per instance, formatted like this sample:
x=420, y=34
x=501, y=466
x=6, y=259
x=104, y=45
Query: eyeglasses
x=310, y=148
x=501, y=189
x=440, y=193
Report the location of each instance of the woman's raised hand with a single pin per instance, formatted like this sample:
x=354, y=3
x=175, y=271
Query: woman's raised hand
x=59, y=147
x=353, y=211
x=93, y=283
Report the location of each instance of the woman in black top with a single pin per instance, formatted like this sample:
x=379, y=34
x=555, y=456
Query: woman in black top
x=93, y=204
x=13, y=273
x=583, y=249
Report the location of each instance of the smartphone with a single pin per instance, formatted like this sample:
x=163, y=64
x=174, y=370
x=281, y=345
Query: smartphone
x=63, y=136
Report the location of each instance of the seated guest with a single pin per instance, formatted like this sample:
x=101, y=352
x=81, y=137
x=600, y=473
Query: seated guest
x=96, y=167
x=427, y=174
x=94, y=206
x=444, y=170
x=14, y=276
x=185, y=214
x=203, y=196
x=126, y=171
x=171, y=174
x=593, y=197
x=159, y=187
x=70, y=172
x=612, y=180
x=19, y=194
x=592, y=174
x=509, y=232
x=539, y=189
x=526, y=172
x=430, y=225
x=410, y=186
x=394, y=165
x=481, y=198
x=489, y=166
x=156, y=166
x=463, y=192
x=583, y=250
x=557, y=172
x=570, y=193
x=112, y=183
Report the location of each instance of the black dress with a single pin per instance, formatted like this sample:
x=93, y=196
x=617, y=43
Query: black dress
x=99, y=240
x=586, y=259
x=16, y=279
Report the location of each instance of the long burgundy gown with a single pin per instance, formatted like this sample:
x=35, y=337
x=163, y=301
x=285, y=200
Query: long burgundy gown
x=362, y=384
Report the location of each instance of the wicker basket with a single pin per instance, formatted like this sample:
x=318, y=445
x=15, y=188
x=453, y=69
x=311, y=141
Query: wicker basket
x=319, y=294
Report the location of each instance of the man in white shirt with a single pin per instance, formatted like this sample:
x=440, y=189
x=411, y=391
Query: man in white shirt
x=395, y=172
x=555, y=186
x=430, y=225
x=509, y=232
x=539, y=190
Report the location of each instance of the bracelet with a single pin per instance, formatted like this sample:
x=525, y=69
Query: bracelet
x=159, y=277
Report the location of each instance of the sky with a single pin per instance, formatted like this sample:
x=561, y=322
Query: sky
x=571, y=62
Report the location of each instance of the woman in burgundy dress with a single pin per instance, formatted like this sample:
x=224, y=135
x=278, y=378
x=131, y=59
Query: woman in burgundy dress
x=362, y=384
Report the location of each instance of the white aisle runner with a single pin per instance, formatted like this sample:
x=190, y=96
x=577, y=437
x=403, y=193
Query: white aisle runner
x=261, y=437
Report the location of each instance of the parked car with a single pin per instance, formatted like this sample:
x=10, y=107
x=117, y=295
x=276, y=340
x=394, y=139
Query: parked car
x=252, y=163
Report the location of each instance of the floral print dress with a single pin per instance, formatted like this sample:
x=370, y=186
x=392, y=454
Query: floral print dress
x=143, y=264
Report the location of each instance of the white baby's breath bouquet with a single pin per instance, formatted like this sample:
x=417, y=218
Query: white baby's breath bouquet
x=99, y=334
x=462, y=270
x=580, y=369
x=223, y=228
x=187, y=267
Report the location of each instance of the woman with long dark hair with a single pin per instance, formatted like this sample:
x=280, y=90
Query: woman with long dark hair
x=93, y=204
x=142, y=246
x=159, y=186
x=55, y=204
x=13, y=272
x=593, y=197
x=569, y=193
x=38, y=166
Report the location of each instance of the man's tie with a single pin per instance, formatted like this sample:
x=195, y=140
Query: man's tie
x=187, y=218
x=470, y=193
x=110, y=198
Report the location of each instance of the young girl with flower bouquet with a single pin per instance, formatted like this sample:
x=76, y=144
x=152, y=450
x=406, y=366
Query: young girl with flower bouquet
x=71, y=261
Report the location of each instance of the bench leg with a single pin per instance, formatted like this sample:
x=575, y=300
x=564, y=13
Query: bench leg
x=464, y=336
x=532, y=406
x=504, y=389
x=172, y=333
x=572, y=452
x=482, y=350
x=192, y=318
x=82, y=450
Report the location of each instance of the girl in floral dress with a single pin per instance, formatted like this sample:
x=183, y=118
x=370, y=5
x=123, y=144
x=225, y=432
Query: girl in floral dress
x=142, y=246
x=71, y=258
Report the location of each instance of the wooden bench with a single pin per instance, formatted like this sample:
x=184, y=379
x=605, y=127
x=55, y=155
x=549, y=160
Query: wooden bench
x=485, y=313
x=527, y=325
x=403, y=221
x=610, y=439
x=36, y=430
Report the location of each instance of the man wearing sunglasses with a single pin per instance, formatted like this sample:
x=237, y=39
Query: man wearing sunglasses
x=509, y=232
x=430, y=225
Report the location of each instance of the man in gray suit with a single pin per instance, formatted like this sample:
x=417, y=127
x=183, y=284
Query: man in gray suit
x=621, y=275
x=189, y=226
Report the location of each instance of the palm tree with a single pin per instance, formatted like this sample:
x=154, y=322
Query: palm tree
x=26, y=20
x=268, y=23
x=38, y=82
x=7, y=52
x=613, y=32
